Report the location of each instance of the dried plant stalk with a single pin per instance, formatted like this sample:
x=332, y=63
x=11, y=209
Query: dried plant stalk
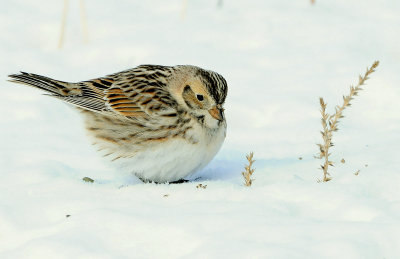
x=63, y=22
x=248, y=170
x=84, y=21
x=183, y=11
x=330, y=122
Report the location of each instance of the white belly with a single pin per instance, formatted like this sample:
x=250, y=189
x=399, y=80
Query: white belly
x=175, y=159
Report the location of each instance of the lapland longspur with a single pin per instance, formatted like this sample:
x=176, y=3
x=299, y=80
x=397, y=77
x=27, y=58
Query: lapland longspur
x=161, y=123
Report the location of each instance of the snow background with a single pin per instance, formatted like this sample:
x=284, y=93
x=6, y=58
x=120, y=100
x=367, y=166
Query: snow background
x=278, y=58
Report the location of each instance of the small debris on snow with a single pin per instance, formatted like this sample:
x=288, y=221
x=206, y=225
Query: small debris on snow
x=201, y=186
x=87, y=179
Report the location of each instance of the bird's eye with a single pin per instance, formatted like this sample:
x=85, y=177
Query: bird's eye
x=200, y=97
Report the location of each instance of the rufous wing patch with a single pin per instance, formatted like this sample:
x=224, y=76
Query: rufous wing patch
x=121, y=103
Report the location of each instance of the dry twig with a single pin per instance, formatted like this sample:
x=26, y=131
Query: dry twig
x=84, y=21
x=248, y=170
x=330, y=122
x=63, y=22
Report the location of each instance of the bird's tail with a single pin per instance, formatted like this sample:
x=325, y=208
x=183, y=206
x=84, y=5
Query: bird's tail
x=50, y=86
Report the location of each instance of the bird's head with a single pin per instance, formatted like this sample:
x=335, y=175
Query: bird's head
x=202, y=93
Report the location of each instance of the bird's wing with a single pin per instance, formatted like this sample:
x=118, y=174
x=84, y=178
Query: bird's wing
x=139, y=93
x=138, y=97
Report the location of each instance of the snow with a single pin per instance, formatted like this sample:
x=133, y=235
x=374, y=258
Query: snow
x=278, y=58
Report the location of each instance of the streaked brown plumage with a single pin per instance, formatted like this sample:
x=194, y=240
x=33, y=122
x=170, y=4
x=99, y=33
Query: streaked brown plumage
x=161, y=123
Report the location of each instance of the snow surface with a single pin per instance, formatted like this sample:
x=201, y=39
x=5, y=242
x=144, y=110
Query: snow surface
x=278, y=58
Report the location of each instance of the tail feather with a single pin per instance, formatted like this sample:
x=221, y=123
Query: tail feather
x=81, y=94
x=51, y=86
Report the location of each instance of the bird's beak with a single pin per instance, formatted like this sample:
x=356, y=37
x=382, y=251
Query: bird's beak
x=217, y=113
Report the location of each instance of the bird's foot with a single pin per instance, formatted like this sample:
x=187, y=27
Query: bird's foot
x=179, y=181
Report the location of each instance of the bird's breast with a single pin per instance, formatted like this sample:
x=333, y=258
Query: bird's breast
x=176, y=158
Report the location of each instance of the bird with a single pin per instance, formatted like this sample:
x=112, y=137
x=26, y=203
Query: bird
x=159, y=123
